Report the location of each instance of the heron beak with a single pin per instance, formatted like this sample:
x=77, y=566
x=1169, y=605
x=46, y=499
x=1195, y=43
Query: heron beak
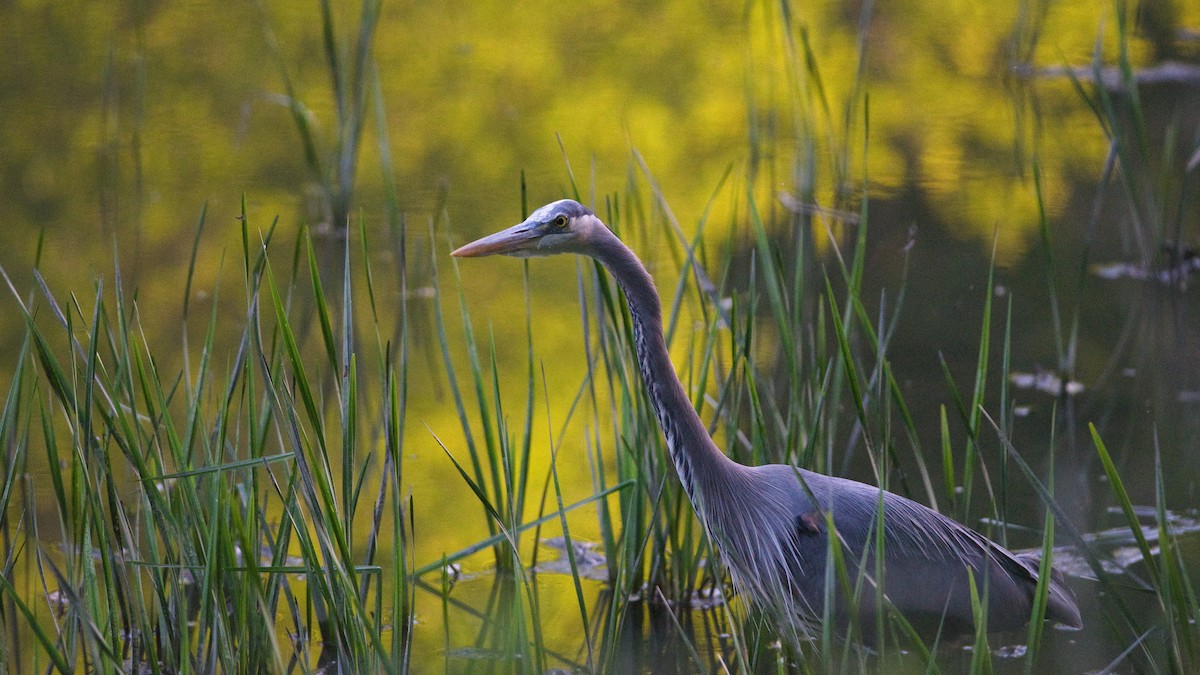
x=506, y=242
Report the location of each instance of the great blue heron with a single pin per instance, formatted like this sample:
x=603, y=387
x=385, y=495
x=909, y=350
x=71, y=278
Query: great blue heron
x=769, y=523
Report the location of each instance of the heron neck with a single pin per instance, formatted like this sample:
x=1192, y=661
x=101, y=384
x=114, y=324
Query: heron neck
x=697, y=459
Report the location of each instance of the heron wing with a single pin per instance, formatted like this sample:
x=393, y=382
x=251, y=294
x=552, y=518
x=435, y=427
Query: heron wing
x=929, y=561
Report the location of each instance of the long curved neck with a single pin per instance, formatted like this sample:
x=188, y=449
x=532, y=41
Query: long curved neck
x=697, y=459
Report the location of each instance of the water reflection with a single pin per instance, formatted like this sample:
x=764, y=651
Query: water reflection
x=121, y=122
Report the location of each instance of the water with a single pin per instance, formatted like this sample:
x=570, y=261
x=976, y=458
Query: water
x=121, y=122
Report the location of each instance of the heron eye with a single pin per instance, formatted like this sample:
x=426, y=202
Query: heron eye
x=560, y=221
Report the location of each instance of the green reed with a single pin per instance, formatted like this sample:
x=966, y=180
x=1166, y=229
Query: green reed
x=1150, y=183
x=199, y=507
x=196, y=509
x=354, y=89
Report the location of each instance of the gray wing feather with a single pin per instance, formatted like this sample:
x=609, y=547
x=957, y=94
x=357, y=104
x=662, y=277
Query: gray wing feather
x=929, y=560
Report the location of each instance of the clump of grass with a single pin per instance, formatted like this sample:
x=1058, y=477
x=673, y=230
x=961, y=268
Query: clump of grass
x=192, y=511
x=197, y=509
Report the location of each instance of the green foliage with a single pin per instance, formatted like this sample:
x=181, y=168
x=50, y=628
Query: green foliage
x=250, y=511
x=190, y=566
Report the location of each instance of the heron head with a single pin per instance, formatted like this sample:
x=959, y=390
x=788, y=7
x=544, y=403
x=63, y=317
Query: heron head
x=564, y=226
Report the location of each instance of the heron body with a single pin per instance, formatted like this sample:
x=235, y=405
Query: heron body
x=771, y=523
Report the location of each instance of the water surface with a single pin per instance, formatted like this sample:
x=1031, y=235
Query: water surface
x=122, y=121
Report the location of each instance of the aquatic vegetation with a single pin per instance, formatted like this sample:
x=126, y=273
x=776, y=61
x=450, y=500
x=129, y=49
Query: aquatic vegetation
x=326, y=450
